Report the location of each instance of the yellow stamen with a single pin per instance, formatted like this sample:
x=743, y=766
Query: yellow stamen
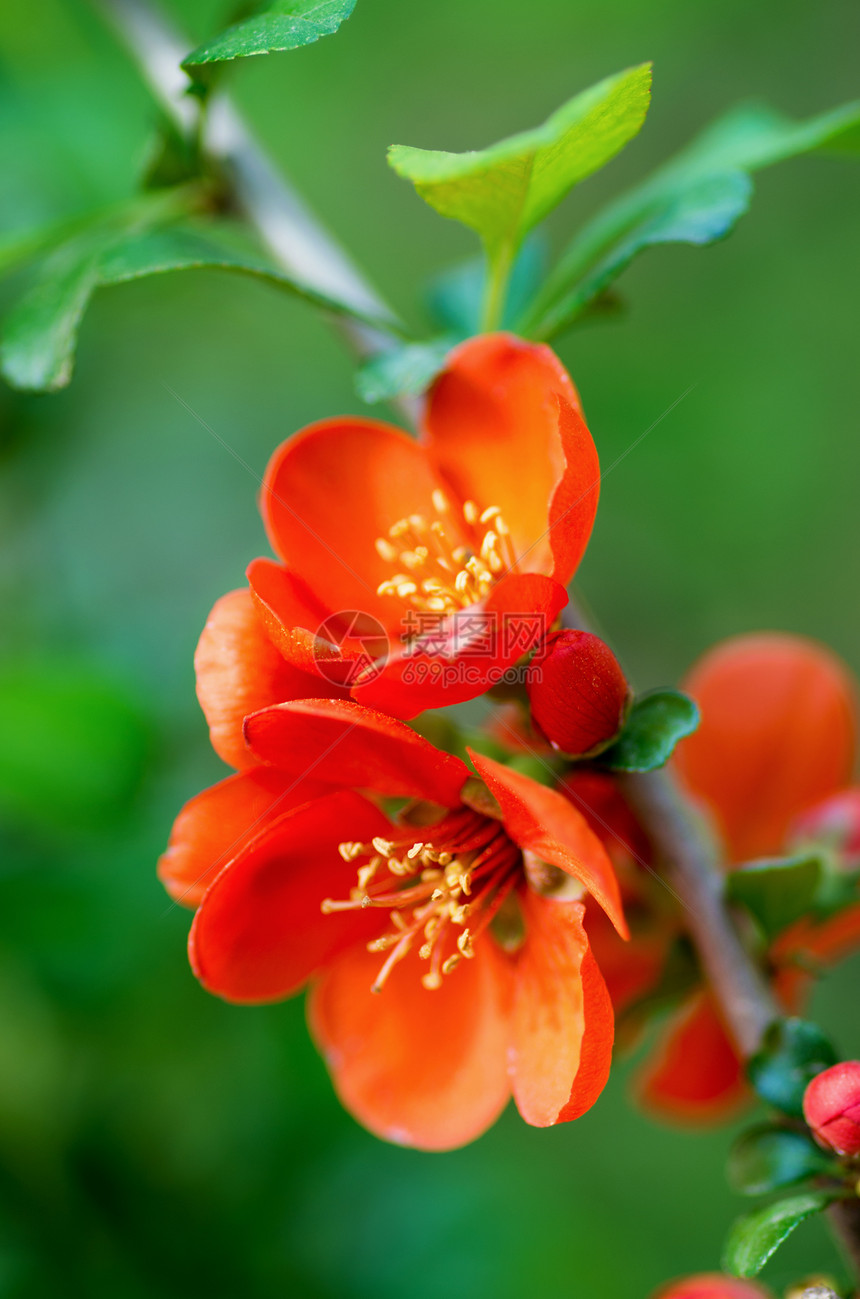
x=431, y=888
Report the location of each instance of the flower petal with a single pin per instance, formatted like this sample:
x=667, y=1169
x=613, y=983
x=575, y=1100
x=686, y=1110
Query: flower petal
x=505, y=428
x=629, y=969
x=695, y=1074
x=712, y=1285
x=777, y=734
x=469, y=651
x=260, y=932
x=217, y=824
x=562, y=1018
x=417, y=1067
x=350, y=745
x=239, y=671
x=546, y=823
x=330, y=492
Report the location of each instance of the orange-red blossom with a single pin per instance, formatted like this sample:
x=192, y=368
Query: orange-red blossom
x=444, y=947
x=770, y=766
x=410, y=574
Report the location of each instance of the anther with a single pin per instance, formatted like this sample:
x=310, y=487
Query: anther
x=440, y=501
x=385, y=550
x=470, y=512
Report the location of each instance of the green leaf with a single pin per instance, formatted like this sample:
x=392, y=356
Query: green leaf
x=40, y=333
x=407, y=370
x=38, y=347
x=753, y=136
x=284, y=25
x=792, y=1053
x=503, y=191
x=768, y=1158
x=755, y=1237
x=776, y=891
x=693, y=192
x=656, y=722
x=698, y=211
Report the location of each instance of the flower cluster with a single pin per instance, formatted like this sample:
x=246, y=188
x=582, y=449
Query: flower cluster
x=469, y=931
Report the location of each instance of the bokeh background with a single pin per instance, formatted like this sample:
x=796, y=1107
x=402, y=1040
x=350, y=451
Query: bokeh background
x=154, y=1141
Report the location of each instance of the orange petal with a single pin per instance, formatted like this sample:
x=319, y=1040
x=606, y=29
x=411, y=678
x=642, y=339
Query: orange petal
x=260, y=932
x=695, y=1075
x=505, y=428
x=546, y=823
x=239, y=671
x=777, y=734
x=562, y=1018
x=349, y=745
x=289, y=613
x=469, y=651
x=330, y=492
x=417, y=1067
x=216, y=825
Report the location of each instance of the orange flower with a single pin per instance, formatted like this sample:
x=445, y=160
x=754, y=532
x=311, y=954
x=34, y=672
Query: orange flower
x=445, y=947
x=411, y=574
x=712, y=1285
x=777, y=736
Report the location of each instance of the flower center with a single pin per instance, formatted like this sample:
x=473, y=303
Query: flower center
x=440, y=892
x=439, y=573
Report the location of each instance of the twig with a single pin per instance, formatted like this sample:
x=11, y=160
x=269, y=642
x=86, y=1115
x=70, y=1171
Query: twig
x=687, y=849
x=292, y=233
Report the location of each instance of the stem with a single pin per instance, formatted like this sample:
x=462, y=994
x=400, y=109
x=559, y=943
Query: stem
x=498, y=271
x=686, y=846
x=292, y=233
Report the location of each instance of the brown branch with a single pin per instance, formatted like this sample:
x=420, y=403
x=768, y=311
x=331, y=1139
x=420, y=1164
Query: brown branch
x=690, y=857
x=294, y=236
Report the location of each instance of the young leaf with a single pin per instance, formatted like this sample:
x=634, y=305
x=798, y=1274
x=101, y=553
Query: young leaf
x=753, y=136
x=755, y=1237
x=792, y=1053
x=505, y=190
x=777, y=892
x=657, y=721
x=283, y=25
x=768, y=1159
x=40, y=333
x=699, y=210
x=405, y=370
x=746, y=139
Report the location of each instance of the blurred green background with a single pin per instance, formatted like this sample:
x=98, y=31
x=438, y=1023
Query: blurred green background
x=154, y=1141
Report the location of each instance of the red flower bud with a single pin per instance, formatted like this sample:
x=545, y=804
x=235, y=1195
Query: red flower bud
x=831, y=1107
x=577, y=691
x=833, y=824
x=712, y=1285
